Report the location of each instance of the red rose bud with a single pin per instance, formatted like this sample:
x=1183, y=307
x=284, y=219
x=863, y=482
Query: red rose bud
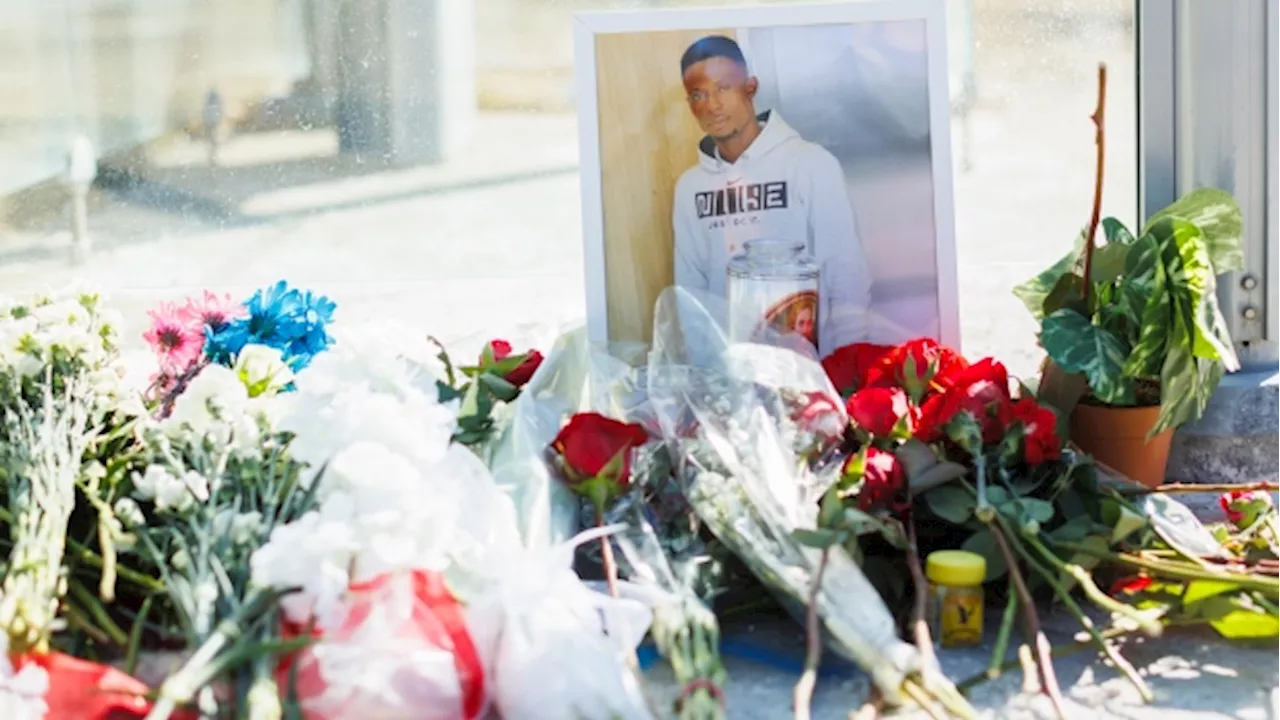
x=916, y=366
x=595, y=452
x=849, y=366
x=884, y=482
x=1244, y=507
x=877, y=410
x=523, y=372
x=1040, y=431
x=498, y=353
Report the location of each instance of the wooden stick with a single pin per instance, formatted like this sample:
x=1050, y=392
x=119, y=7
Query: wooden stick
x=1197, y=487
x=924, y=640
x=1098, y=118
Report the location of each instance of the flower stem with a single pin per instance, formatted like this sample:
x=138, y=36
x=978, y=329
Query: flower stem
x=924, y=641
x=1182, y=571
x=1051, y=577
x=1035, y=634
x=1196, y=488
x=1001, y=647
x=803, y=695
x=606, y=555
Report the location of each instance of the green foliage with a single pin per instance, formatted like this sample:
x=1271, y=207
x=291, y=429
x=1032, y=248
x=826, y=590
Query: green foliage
x=1152, y=311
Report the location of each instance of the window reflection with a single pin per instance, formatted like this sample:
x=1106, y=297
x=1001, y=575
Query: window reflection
x=243, y=141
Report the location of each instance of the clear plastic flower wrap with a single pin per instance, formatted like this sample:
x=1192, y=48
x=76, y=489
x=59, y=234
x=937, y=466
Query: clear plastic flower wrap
x=552, y=646
x=573, y=378
x=754, y=431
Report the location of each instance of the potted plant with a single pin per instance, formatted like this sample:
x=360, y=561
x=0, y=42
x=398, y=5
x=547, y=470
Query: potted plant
x=1138, y=349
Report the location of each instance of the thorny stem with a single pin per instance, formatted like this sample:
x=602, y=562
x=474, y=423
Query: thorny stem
x=803, y=696
x=1036, y=636
x=1099, y=117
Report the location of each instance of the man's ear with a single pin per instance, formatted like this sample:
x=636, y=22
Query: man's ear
x=752, y=85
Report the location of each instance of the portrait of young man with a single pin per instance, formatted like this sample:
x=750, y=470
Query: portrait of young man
x=756, y=178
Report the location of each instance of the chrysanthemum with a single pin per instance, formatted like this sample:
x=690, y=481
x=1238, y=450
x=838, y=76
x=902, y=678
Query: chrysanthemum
x=290, y=320
x=212, y=311
x=176, y=341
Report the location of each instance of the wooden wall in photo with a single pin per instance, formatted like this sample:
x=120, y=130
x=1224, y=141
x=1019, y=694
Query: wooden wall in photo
x=648, y=138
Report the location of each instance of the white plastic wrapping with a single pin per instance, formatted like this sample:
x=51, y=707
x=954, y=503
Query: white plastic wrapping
x=571, y=379
x=755, y=430
x=553, y=648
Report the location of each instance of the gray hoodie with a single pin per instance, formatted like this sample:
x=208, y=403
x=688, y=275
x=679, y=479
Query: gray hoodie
x=786, y=188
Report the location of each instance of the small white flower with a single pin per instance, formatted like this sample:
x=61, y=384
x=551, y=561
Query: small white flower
x=242, y=528
x=129, y=513
x=180, y=560
x=197, y=484
x=161, y=487
x=216, y=396
x=262, y=369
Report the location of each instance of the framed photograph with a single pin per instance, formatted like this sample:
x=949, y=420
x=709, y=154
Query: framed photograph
x=825, y=126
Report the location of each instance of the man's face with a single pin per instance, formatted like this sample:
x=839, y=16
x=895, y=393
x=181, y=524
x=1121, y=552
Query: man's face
x=804, y=323
x=721, y=96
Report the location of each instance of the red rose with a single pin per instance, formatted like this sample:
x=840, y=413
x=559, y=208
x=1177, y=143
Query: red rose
x=981, y=389
x=884, y=482
x=878, y=409
x=1039, y=430
x=500, y=350
x=917, y=366
x=848, y=366
x=592, y=443
x=1244, y=507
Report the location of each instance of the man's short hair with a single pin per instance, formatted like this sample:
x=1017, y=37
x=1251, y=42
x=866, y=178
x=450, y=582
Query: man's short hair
x=712, y=46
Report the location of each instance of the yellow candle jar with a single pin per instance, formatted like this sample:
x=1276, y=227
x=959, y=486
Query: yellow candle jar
x=955, y=597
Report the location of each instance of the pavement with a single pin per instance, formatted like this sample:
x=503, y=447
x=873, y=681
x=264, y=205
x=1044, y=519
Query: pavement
x=489, y=244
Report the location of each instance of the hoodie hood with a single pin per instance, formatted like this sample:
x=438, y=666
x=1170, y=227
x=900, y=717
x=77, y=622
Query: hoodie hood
x=774, y=133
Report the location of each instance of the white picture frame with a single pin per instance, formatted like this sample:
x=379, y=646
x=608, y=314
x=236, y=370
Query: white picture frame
x=590, y=27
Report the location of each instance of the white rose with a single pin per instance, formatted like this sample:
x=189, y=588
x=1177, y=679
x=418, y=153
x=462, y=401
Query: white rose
x=262, y=369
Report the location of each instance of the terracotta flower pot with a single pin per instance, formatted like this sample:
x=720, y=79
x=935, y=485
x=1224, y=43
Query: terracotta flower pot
x=1117, y=437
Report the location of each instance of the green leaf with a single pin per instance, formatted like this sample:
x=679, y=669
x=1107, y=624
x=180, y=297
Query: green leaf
x=1234, y=619
x=820, y=539
x=1061, y=391
x=1198, y=590
x=500, y=388
x=936, y=476
x=1186, y=382
x=1116, y=232
x=984, y=544
x=964, y=430
x=1193, y=288
x=1074, y=530
x=1066, y=293
x=1086, y=561
x=830, y=509
x=1155, y=319
x=951, y=503
x=1035, y=291
x=1022, y=509
x=1123, y=521
x=1218, y=218
x=1109, y=262
x=1079, y=346
x=915, y=457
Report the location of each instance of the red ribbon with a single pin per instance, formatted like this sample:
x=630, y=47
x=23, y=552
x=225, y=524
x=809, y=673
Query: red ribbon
x=436, y=615
x=87, y=690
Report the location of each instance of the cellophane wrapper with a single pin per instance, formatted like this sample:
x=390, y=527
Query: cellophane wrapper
x=754, y=458
x=554, y=648
x=573, y=378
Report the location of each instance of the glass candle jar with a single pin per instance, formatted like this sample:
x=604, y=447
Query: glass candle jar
x=955, y=597
x=773, y=285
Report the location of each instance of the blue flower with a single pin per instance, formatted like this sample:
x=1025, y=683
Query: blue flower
x=290, y=320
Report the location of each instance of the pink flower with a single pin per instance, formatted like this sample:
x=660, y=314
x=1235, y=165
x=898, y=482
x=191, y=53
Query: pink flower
x=212, y=311
x=176, y=340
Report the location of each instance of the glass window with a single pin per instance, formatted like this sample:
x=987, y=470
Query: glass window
x=245, y=141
